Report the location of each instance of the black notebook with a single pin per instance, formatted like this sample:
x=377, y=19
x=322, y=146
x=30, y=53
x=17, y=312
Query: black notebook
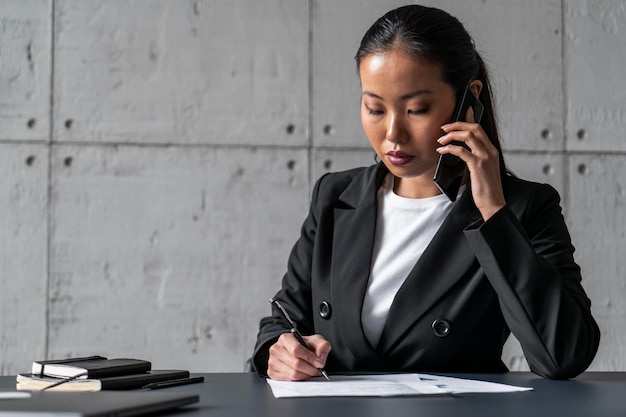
x=94, y=367
x=32, y=382
x=95, y=404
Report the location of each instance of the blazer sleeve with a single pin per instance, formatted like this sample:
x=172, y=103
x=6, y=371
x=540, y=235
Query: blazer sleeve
x=295, y=292
x=527, y=255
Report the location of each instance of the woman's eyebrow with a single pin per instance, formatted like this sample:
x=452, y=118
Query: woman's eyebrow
x=406, y=96
x=415, y=93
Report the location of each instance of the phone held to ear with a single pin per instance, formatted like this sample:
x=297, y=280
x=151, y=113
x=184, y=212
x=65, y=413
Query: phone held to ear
x=450, y=168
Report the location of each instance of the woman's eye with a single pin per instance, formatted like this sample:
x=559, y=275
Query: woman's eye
x=374, y=112
x=418, y=111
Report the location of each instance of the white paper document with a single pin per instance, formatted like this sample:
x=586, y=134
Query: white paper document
x=386, y=385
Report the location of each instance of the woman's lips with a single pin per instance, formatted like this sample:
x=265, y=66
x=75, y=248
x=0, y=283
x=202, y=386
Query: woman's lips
x=399, y=158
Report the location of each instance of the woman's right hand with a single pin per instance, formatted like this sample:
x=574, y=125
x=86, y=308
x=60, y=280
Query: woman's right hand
x=290, y=361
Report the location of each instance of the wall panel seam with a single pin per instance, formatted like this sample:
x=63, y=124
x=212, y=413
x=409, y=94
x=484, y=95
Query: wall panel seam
x=310, y=98
x=49, y=191
x=564, y=107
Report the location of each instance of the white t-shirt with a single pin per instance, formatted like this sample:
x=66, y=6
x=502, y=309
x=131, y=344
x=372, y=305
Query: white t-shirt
x=404, y=228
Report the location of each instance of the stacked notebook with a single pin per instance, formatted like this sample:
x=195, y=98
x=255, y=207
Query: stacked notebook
x=94, y=373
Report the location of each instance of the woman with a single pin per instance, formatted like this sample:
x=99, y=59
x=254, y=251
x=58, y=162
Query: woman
x=389, y=274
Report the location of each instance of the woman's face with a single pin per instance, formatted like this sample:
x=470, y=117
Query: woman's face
x=404, y=103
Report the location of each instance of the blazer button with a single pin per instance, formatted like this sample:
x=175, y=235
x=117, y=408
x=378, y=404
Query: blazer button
x=325, y=310
x=441, y=328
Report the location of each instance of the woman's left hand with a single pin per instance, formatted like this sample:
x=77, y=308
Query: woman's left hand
x=482, y=162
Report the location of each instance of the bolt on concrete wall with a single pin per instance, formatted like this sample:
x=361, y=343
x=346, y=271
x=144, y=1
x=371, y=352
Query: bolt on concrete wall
x=157, y=158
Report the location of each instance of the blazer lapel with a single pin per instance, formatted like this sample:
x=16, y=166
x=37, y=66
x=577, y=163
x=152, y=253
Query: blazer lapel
x=442, y=264
x=355, y=223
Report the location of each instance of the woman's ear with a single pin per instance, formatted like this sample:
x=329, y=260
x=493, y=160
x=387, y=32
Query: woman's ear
x=476, y=86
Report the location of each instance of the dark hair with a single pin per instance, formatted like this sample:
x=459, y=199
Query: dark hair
x=436, y=36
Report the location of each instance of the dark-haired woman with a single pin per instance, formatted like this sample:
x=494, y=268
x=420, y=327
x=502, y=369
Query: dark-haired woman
x=389, y=274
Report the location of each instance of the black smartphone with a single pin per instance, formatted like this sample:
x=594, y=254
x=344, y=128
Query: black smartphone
x=450, y=168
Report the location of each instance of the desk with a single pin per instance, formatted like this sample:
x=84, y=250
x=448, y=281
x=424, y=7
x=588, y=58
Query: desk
x=593, y=394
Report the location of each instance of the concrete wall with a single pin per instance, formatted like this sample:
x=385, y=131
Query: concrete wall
x=157, y=157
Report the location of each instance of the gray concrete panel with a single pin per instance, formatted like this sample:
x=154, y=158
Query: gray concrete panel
x=170, y=253
x=25, y=38
x=520, y=41
x=337, y=30
x=598, y=227
x=333, y=160
x=597, y=219
x=23, y=255
x=612, y=351
x=159, y=71
x=594, y=74
x=539, y=167
x=545, y=168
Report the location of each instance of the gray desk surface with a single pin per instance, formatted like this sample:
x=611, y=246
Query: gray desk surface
x=593, y=394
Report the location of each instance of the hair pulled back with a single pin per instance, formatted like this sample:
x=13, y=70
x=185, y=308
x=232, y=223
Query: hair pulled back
x=433, y=35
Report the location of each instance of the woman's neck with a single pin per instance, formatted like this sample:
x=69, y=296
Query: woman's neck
x=417, y=187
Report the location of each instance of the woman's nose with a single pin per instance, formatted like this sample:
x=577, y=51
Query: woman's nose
x=396, y=129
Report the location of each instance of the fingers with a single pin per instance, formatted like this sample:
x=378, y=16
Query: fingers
x=483, y=162
x=469, y=142
x=290, y=361
x=320, y=346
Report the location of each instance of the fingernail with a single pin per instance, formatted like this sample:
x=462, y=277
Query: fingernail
x=441, y=139
x=318, y=363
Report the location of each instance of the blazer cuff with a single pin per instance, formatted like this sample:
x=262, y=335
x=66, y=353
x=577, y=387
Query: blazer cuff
x=261, y=356
x=496, y=218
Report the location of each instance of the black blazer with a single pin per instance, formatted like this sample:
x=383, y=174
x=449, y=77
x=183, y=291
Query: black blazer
x=475, y=283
